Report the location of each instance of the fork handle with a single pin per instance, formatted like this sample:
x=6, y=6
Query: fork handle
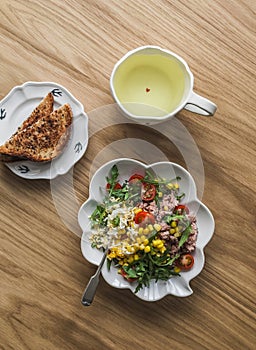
x=91, y=287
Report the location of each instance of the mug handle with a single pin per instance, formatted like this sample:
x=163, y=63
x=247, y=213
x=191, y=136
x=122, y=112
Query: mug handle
x=200, y=105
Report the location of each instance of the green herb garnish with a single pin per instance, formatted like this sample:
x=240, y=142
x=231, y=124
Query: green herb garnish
x=185, y=235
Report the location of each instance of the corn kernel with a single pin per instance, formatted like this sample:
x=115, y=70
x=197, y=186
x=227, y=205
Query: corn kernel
x=145, y=242
x=150, y=228
x=136, y=246
x=160, y=194
x=136, y=257
x=176, y=186
x=177, y=234
x=162, y=250
x=125, y=264
x=147, y=249
x=159, y=246
x=111, y=255
x=176, y=269
x=169, y=185
x=137, y=210
x=165, y=208
x=142, y=247
x=146, y=231
x=140, y=230
x=156, y=242
x=138, y=240
x=173, y=224
x=157, y=227
x=172, y=231
x=130, y=259
x=130, y=249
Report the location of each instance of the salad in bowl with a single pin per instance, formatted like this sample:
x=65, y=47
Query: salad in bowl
x=152, y=225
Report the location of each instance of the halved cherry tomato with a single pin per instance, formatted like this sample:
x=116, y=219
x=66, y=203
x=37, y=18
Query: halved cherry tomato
x=148, y=192
x=125, y=276
x=143, y=218
x=135, y=178
x=179, y=209
x=116, y=187
x=185, y=261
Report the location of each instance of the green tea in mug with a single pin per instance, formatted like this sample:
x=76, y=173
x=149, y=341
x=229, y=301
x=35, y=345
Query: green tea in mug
x=151, y=85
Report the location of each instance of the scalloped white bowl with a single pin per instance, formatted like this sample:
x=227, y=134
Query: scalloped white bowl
x=177, y=286
x=18, y=105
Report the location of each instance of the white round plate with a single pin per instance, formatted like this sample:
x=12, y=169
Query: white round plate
x=178, y=286
x=19, y=104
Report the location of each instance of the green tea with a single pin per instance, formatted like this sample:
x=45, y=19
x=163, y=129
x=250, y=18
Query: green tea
x=150, y=85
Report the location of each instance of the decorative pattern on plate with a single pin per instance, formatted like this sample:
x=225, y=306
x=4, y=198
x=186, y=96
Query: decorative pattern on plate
x=2, y=113
x=20, y=102
x=78, y=147
x=23, y=169
x=177, y=286
x=56, y=92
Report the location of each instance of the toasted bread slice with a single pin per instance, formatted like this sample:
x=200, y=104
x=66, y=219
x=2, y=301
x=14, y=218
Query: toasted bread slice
x=44, y=109
x=44, y=139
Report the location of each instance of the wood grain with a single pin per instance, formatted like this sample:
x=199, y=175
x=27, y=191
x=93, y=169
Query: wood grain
x=42, y=271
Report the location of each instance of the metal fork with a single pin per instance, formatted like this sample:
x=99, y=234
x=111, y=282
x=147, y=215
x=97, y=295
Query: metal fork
x=91, y=287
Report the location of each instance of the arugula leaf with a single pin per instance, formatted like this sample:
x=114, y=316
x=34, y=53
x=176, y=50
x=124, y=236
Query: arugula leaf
x=109, y=262
x=149, y=178
x=164, y=260
x=123, y=194
x=150, y=267
x=98, y=215
x=180, y=197
x=169, y=218
x=130, y=272
x=185, y=235
x=113, y=179
x=114, y=175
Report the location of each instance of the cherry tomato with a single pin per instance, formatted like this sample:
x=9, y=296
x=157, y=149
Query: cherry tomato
x=143, y=218
x=116, y=187
x=135, y=178
x=125, y=276
x=148, y=192
x=185, y=261
x=179, y=209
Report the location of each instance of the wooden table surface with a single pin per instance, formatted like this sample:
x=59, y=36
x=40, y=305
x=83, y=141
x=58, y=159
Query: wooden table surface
x=42, y=271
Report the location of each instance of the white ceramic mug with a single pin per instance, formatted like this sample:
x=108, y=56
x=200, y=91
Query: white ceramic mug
x=151, y=85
